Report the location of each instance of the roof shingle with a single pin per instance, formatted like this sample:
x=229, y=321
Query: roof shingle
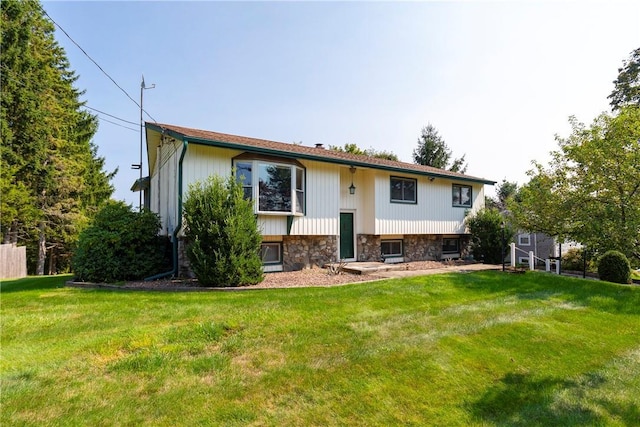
x=301, y=151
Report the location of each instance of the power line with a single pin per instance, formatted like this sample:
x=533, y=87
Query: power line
x=111, y=115
x=97, y=65
x=118, y=124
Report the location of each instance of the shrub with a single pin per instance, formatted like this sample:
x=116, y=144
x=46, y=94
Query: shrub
x=573, y=260
x=119, y=245
x=487, y=235
x=223, y=241
x=614, y=267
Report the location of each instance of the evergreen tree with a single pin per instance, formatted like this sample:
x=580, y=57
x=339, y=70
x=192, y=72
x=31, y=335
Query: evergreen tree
x=222, y=233
x=50, y=170
x=433, y=151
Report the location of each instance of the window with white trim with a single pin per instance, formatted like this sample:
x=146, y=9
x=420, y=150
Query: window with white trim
x=462, y=195
x=271, y=253
x=274, y=187
x=403, y=190
x=391, y=248
x=524, y=239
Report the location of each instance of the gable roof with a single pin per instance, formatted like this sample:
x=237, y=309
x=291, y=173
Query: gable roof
x=295, y=151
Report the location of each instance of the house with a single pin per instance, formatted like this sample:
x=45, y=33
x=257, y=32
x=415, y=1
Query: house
x=542, y=245
x=316, y=205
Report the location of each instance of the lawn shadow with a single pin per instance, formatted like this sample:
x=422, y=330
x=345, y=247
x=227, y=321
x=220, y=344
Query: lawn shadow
x=520, y=400
x=33, y=283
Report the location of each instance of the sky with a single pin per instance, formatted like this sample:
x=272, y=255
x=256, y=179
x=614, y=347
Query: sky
x=498, y=80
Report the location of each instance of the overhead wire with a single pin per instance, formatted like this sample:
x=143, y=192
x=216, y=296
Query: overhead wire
x=118, y=124
x=98, y=65
x=111, y=115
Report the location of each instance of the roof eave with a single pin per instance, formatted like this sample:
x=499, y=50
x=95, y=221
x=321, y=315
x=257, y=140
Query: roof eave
x=320, y=158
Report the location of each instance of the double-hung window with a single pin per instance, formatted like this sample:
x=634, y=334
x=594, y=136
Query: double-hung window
x=462, y=195
x=403, y=190
x=524, y=239
x=273, y=186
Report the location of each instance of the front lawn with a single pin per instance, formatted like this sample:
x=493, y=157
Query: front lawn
x=484, y=348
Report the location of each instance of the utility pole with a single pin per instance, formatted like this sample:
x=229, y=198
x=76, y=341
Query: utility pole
x=139, y=165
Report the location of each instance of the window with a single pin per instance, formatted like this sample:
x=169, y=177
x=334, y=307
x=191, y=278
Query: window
x=462, y=195
x=275, y=187
x=450, y=246
x=524, y=239
x=271, y=253
x=299, y=190
x=243, y=175
x=403, y=190
x=391, y=248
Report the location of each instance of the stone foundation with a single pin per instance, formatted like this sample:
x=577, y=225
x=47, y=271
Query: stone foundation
x=422, y=247
x=368, y=248
x=184, y=266
x=300, y=252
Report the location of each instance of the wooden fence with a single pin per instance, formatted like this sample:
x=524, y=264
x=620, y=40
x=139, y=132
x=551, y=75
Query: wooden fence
x=13, y=261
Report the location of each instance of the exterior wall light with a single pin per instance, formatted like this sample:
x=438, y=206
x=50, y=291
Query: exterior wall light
x=352, y=188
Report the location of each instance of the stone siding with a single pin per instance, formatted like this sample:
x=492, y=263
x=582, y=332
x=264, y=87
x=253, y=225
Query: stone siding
x=184, y=266
x=368, y=248
x=300, y=252
x=422, y=247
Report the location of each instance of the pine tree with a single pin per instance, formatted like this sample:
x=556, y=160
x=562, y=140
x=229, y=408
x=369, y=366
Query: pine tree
x=433, y=151
x=50, y=169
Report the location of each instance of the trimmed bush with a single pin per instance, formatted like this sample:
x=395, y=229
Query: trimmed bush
x=120, y=245
x=486, y=236
x=614, y=267
x=223, y=241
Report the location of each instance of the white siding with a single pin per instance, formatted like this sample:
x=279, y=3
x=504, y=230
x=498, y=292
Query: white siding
x=322, y=193
x=326, y=194
x=202, y=161
x=164, y=181
x=432, y=214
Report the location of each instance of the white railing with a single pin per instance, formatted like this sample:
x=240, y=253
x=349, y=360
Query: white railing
x=532, y=259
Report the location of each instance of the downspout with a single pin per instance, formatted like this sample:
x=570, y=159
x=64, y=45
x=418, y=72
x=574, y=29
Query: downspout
x=174, y=271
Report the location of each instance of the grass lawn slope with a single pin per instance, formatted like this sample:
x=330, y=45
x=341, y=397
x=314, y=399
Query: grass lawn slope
x=483, y=348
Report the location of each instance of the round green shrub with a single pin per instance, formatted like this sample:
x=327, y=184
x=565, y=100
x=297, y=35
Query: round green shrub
x=119, y=245
x=614, y=267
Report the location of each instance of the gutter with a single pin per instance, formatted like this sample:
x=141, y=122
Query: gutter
x=174, y=271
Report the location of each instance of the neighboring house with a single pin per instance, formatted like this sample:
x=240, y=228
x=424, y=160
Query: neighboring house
x=316, y=205
x=542, y=245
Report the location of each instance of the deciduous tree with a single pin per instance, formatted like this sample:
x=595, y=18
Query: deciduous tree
x=590, y=192
x=627, y=85
x=371, y=152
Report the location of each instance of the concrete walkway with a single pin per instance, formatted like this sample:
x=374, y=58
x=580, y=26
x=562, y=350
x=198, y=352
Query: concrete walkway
x=400, y=270
x=392, y=274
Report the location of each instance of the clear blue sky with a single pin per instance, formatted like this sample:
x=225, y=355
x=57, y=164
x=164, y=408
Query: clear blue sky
x=497, y=79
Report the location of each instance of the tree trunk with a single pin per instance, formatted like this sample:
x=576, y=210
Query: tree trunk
x=42, y=249
x=52, y=261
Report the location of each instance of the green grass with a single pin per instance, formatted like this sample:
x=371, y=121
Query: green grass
x=462, y=349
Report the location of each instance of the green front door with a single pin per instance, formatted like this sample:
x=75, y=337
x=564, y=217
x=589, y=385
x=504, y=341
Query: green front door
x=346, y=235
